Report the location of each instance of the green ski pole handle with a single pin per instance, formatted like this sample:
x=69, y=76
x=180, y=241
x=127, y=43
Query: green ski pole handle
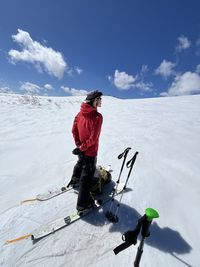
x=151, y=214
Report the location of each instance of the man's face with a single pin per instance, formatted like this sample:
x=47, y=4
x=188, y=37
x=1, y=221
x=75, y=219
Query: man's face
x=97, y=102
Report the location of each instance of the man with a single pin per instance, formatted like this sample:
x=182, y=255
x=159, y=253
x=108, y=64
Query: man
x=86, y=131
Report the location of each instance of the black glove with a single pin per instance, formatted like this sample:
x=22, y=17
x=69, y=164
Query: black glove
x=77, y=151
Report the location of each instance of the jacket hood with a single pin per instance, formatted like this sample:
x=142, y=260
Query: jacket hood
x=87, y=110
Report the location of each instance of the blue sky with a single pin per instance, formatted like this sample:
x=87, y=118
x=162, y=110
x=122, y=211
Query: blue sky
x=125, y=48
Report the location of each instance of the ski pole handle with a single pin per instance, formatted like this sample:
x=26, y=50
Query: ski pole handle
x=124, y=153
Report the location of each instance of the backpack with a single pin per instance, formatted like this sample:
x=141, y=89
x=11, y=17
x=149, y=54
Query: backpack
x=102, y=176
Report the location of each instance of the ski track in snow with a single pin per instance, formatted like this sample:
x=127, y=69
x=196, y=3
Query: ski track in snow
x=35, y=149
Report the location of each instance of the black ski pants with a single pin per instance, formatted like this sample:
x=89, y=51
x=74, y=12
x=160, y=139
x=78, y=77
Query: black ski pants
x=84, y=170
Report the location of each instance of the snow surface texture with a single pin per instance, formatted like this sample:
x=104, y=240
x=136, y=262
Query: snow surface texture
x=35, y=156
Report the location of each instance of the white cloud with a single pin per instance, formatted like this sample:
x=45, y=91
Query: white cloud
x=123, y=81
x=164, y=94
x=48, y=86
x=65, y=89
x=183, y=43
x=141, y=84
x=198, y=69
x=185, y=84
x=30, y=88
x=74, y=70
x=42, y=57
x=73, y=91
x=144, y=86
x=6, y=90
x=70, y=72
x=109, y=77
x=165, y=69
x=144, y=69
x=78, y=70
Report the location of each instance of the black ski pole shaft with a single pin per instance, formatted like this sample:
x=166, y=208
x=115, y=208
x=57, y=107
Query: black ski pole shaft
x=150, y=214
x=123, y=154
x=129, y=164
x=139, y=253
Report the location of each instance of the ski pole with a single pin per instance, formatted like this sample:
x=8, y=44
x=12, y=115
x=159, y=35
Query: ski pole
x=150, y=214
x=130, y=237
x=123, y=154
x=129, y=164
x=113, y=217
x=145, y=225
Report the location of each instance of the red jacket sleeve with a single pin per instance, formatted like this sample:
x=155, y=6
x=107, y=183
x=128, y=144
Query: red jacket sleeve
x=75, y=132
x=95, y=132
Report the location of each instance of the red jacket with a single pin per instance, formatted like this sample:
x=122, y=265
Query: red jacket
x=86, y=129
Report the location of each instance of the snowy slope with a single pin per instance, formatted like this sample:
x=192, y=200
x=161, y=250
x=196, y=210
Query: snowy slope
x=35, y=156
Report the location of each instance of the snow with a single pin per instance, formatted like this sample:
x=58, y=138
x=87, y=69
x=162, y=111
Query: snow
x=35, y=151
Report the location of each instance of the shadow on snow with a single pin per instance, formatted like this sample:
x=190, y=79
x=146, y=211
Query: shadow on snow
x=164, y=239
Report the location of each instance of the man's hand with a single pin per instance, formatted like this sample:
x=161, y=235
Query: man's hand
x=76, y=151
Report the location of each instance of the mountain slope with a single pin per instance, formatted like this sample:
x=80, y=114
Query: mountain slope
x=35, y=149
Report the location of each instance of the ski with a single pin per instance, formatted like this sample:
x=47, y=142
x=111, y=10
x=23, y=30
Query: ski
x=49, y=194
x=53, y=193
x=49, y=228
x=52, y=227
